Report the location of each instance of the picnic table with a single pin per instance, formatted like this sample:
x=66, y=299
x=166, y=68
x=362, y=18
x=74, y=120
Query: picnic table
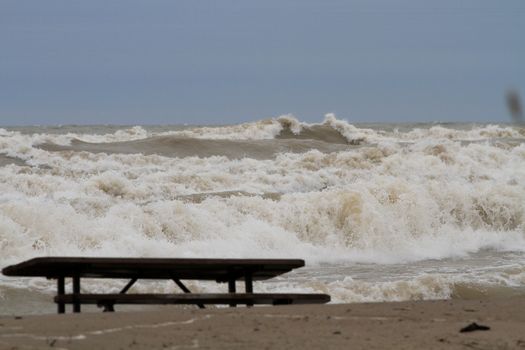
x=228, y=271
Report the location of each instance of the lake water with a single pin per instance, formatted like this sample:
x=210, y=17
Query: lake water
x=379, y=212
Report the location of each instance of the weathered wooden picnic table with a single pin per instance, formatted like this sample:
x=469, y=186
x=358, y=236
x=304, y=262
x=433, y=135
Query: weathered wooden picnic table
x=220, y=270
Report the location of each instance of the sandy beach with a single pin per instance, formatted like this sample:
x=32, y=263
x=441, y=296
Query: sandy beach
x=401, y=325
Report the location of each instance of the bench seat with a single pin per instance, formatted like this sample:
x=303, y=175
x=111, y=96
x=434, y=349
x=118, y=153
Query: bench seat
x=194, y=298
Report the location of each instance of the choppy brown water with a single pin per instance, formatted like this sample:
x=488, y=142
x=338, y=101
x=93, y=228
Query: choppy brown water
x=6, y=160
x=379, y=212
x=172, y=146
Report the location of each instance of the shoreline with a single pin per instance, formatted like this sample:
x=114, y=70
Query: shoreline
x=407, y=325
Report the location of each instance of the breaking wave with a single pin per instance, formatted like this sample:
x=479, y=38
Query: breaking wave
x=331, y=193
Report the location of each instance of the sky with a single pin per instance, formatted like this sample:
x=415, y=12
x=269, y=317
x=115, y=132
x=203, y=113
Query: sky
x=222, y=62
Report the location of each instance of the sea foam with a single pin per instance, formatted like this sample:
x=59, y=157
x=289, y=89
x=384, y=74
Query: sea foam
x=382, y=196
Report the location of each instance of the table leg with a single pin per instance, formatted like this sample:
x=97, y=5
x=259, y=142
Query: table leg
x=109, y=308
x=76, y=290
x=185, y=290
x=231, y=289
x=248, y=284
x=128, y=286
x=60, y=292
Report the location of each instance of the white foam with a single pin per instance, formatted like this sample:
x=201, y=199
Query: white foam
x=390, y=202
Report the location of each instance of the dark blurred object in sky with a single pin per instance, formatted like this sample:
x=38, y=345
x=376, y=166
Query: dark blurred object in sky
x=514, y=104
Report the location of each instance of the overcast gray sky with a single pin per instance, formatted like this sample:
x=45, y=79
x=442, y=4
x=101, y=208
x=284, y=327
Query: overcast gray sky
x=157, y=62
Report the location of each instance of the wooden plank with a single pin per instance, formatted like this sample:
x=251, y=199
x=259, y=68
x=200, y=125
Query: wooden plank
x=201, y=298
x=220, y=270
x=61, y=291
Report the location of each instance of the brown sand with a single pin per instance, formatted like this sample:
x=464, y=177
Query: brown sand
x=406, y=325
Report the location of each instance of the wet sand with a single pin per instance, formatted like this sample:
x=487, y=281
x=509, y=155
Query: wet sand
x=405, y=325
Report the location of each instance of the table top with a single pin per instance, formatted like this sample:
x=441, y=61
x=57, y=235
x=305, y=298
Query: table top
x=220, y=270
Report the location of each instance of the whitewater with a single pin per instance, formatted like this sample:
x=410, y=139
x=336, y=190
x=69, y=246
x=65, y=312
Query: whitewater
x=379, y=212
